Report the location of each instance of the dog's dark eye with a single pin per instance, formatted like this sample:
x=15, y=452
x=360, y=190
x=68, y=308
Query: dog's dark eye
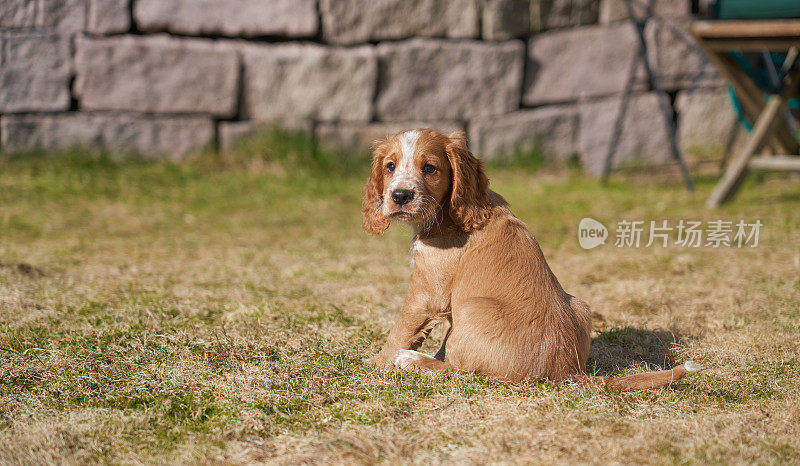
x=390, y=167
x=428, y=168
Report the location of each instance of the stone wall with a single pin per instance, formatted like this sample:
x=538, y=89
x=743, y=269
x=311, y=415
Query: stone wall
x=163, y=77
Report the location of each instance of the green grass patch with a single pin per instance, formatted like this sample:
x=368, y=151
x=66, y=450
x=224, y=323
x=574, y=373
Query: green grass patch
x=219, y=308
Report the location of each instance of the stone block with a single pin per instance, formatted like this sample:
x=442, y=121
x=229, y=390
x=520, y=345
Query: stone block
x=156, y=75
x=359, y=137
x=557, y=14
x=615, y=10
x=353, y=21
x=35, y=72
x=585, y=62
x=108, y=16
x=505, y=19
x=67, y=16
x=553, y=129
x=675, y=58
x=306, y=81
x=17, y=13
x=152, y=136
x=248, y=18
x=231, y=132
x=424, y=79
x=706, y=121
x=643, y=135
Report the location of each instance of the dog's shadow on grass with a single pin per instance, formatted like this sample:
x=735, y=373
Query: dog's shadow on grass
x=618, y=349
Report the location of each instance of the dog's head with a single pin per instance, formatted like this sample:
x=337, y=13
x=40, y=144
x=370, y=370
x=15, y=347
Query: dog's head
x=419, y=174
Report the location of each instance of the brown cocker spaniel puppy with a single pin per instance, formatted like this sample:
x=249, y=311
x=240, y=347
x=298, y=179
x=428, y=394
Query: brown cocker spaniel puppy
x=478, y=270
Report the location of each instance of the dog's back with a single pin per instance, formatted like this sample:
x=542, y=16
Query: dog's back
x=511, y=318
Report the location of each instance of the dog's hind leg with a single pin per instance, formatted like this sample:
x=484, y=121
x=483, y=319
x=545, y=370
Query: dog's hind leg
x=410, y=360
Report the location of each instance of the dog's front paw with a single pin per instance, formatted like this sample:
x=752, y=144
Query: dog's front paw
x=378, y=361
x=406, y=359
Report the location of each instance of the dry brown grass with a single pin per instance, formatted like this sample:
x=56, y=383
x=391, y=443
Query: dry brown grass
x=218, y=312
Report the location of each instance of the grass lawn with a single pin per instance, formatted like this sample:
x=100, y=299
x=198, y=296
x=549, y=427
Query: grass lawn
x=217, y=310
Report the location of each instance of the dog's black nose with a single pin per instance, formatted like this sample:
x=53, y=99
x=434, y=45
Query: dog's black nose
x=402, y=196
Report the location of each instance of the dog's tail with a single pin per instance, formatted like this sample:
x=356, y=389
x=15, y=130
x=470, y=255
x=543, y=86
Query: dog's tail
x=646, y=380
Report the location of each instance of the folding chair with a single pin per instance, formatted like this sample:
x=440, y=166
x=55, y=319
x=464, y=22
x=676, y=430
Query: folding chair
x=771, y=129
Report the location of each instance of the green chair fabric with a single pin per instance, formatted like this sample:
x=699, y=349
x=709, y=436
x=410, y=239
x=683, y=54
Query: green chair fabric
x=757, y=9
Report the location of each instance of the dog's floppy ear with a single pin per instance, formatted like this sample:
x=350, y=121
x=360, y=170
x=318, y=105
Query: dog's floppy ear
x=372, y=202
x=469, y=200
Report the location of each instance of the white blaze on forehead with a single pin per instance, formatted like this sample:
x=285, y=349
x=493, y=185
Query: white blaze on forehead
x=408, y=142
x=404, y=175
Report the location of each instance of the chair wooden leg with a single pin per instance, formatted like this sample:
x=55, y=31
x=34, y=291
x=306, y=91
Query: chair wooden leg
x=749, y=95
x=735, y=173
